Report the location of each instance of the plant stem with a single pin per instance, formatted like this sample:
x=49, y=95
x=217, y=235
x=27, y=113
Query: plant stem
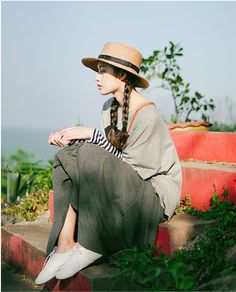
x=175, y=104
x=186, y=118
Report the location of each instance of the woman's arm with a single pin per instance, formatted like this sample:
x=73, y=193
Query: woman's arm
x=65, y=136
x=82, y=134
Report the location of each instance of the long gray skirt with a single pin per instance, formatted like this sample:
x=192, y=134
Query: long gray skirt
x=117, y=209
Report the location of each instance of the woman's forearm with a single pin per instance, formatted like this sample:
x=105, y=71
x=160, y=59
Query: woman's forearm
x=65, y=136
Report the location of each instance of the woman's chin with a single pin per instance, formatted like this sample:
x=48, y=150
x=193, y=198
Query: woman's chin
x=104, y=92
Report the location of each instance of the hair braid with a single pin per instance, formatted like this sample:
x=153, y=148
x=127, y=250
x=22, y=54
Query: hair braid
x=125, y=110
x=114, y=113
x=116, y=137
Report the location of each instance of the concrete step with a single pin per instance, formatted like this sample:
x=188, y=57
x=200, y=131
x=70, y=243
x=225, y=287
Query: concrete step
x=24, y=246
x=200, y=178
x=205, y=146
x=173, y=235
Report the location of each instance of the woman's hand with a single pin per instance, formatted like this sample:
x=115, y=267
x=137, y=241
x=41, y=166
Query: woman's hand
x=64, y=137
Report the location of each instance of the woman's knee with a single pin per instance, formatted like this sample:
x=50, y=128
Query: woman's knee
x=91, y=151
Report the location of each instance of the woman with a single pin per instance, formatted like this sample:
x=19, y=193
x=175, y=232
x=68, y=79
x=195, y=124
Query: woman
x=113, y=187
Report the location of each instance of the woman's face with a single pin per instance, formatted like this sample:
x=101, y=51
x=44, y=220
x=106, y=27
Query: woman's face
x=107, y=79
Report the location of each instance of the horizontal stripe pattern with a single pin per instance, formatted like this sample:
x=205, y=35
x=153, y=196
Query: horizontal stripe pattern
x=101, y=141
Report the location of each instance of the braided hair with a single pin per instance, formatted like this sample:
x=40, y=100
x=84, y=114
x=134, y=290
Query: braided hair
x=117, y=137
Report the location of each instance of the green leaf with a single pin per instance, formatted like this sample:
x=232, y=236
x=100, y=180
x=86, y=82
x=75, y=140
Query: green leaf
x=198, y=95
x=193, y=100
x=164, y=73
x=156, y=53
x=228, y=271
x=204, y=118
x=157, y=272
x=176, y=88
x=186, y=99
x=179, y=79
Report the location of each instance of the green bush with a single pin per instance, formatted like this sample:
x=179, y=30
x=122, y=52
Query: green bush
x=190, y=267
x=151, y=272
x=29, y=207
x=220, y=127
x=30, y=190
x=24, y=172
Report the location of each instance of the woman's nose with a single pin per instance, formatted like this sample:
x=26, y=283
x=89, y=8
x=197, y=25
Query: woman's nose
x=97, y=77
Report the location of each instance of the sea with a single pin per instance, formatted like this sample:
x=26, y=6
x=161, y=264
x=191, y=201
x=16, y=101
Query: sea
x=31, y=140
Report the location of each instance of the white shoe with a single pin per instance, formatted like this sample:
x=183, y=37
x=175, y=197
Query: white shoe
x=79, y=258
x=51, y=265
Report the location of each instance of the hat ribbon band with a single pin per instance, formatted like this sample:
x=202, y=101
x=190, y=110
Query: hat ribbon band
x=119, y=61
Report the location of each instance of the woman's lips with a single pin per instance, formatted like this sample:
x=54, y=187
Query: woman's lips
x=99, y=86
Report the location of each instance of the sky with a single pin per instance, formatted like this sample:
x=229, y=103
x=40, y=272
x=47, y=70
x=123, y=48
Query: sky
x=45, y=85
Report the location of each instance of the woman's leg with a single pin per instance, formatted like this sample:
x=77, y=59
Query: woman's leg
x=66, y=236
x=62, y=252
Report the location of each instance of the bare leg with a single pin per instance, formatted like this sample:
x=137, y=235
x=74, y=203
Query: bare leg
x=66, y=236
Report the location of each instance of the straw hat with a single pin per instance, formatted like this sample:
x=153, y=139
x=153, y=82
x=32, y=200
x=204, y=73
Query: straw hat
x=122, y=56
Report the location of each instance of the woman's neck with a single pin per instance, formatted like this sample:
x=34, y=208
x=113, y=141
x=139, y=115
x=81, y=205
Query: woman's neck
x=135, y=98
x=119, y=97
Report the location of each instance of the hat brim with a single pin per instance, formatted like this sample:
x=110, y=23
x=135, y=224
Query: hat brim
x=92, y=64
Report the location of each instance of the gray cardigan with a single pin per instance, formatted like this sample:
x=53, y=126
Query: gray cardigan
x=151, y=152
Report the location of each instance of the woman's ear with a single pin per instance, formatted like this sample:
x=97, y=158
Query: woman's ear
x=122, y=76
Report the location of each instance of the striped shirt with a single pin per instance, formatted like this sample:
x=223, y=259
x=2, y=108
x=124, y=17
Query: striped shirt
x=101, y=141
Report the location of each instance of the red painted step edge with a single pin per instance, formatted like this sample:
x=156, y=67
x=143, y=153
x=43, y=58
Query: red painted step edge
x=75, y=283
x=163, y=241
x=198, y=183
x=21, y=253
x=205, y=146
